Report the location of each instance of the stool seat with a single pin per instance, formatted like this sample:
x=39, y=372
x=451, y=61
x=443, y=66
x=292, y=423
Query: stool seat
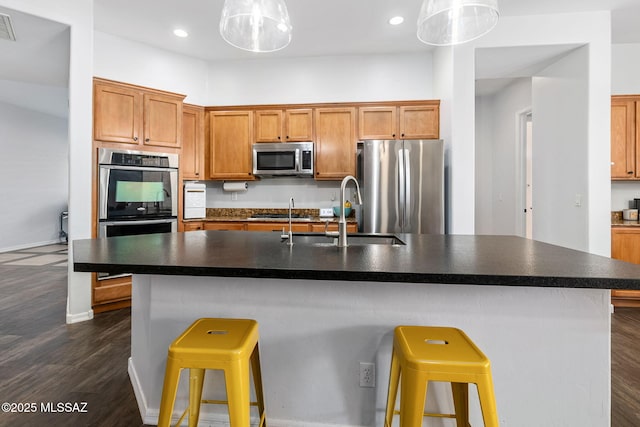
x=229, y=345
x=424, y=353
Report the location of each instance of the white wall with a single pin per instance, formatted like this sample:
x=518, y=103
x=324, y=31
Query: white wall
x=498, y=209
x=275, y=193
x=321, y=79
x=592, y=29
x=625, y=69
x=136, y=63
x=34, y=176
x=560, y=152
x=78, y=14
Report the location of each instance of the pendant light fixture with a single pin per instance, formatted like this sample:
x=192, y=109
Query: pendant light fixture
x=256, y=25
x=451, y=22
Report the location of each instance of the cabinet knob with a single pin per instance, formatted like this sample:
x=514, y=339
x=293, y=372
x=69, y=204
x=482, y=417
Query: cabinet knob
x=279, y=138
x=146, y=140
x=135, y=138
x=629, y=172
x=393, y=135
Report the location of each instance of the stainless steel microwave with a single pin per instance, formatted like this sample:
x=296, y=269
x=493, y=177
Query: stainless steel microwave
x=283, y=159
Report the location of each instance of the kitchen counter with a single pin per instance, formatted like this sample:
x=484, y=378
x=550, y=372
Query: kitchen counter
x=245, y=215
x=497, y=260
x=541, y=313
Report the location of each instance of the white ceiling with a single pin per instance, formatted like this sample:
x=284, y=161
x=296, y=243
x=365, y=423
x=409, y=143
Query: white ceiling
x=40, y=56
x=320, y=27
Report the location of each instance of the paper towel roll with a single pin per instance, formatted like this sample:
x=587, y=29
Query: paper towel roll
x=235, y=186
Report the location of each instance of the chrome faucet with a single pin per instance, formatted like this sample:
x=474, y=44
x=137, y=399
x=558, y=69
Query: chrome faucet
x=290, y=237
x=342, y=222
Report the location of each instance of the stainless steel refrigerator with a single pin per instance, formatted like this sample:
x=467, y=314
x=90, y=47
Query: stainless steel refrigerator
x=403, y=186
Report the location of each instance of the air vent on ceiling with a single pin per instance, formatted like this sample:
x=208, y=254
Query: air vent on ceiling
x=6, y=29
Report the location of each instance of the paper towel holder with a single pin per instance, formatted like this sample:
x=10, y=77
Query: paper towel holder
x=235, y=186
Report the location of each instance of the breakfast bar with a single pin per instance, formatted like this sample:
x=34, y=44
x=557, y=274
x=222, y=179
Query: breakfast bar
x=540, y=312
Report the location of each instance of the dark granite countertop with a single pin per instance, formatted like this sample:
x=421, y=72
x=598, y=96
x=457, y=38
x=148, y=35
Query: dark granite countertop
x=451, y=259
x=245, y=215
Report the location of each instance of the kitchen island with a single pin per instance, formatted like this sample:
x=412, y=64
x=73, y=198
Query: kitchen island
x=540, y=312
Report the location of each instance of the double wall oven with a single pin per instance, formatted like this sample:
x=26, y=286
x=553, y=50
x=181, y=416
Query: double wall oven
x=138, y=192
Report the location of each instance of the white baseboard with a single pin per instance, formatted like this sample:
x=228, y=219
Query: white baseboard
x=137, y=391
x=31, y=245
x=150, y=416
x=79, y=317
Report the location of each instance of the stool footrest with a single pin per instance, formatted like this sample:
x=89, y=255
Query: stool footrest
x=429, y=414
x=223, y=402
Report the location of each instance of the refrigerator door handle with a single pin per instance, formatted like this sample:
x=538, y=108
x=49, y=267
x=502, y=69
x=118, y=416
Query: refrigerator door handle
x=400, y=202
x=407, y=189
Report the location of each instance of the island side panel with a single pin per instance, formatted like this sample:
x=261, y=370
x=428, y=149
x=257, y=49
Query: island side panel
x=549, y=347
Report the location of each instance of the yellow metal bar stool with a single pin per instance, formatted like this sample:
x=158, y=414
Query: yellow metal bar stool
x=422, y=354
x=229, y=345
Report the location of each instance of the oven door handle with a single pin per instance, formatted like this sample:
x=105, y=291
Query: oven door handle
x=138, y=168
x=141, y=222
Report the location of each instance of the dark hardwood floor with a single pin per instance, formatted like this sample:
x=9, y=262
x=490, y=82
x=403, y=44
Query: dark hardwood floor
x=45, y=361
x=625, y=367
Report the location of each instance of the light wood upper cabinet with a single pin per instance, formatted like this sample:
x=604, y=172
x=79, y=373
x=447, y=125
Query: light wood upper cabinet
x=133, y=115
x=335, y=143
x=624, y=138
x=117, y=114
x=298, y=124
x=290, y=125
x=192, y=156
x=162, y=121
x=377, y=122
x=228, y=150
x=419, y=122
x=399, y=122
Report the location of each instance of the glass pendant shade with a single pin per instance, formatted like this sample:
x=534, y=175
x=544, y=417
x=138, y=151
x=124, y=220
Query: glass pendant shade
x=256, y=25
x=450, y=22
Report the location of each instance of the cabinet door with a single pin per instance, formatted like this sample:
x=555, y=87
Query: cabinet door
x=333, y=226
x=277, y=226
x=625, y=244
x=192, y=154
x=117, y=114
x=623, y=137
x=192, y=226
x=229, y=146
x=268, y=126
x=377, y=122
x=224, y=226
x=298, y=125
x=420, y=122
x=162, y=121
x=335, y=143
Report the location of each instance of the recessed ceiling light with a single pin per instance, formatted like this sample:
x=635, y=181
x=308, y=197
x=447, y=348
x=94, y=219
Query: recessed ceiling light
x=396, y=20
x=180, y=33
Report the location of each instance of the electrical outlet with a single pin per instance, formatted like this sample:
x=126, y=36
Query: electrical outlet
x=367, y=374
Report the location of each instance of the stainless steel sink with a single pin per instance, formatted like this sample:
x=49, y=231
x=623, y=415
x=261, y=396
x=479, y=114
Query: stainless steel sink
x=317, y=239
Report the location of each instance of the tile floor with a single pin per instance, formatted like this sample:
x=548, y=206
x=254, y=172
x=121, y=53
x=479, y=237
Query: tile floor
x=49, y=255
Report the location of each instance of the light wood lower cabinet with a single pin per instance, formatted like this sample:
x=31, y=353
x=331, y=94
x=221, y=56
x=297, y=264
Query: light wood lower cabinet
x=352, y=227
x=111, y=294
x=277, y=226
x=237, y=226
x=298, y=227
x=625, y=246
